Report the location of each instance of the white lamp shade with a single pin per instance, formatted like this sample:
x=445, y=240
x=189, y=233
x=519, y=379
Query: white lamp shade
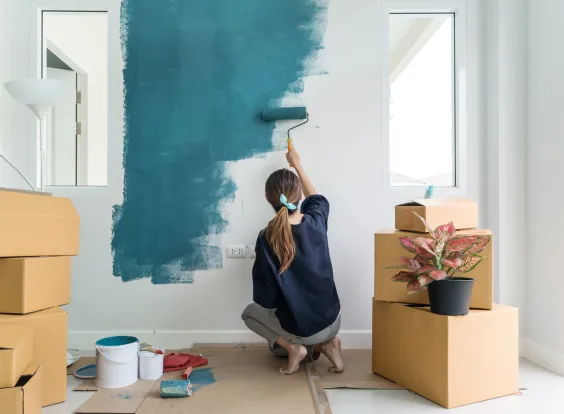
x=37, y=93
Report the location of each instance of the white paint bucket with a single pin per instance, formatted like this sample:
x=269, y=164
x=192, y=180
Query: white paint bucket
x=117, y=362
x=150, y=365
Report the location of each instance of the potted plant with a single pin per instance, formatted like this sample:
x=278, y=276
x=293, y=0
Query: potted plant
x=435, y=266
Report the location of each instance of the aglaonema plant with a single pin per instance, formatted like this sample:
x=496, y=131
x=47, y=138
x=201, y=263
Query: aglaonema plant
x=438, y=257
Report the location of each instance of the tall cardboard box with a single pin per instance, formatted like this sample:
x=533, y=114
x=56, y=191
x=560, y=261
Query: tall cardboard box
x=25, y=397
x=451, y=360
x=436, y=211
x=16, y=351
x=29, y=284
x=387, y=251
x=50, y=349
x=37, y=225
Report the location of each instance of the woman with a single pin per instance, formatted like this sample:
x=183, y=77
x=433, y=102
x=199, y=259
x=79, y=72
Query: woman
x=296, y=306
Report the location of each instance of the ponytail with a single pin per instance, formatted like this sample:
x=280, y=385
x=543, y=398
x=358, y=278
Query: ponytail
x=280, y=239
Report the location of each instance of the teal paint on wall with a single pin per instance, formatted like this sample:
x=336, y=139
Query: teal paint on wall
x=197, y=74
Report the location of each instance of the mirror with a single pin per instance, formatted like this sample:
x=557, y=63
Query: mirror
x=75, y=51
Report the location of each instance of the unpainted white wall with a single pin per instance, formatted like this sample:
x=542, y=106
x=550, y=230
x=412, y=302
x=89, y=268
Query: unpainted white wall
x=544, y=184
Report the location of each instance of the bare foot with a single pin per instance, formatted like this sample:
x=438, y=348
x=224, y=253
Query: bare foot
x=295, y=356
x=332, y=350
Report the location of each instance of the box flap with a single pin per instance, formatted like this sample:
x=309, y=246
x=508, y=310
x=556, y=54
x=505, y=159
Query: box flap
x=32, y=389
x=25, y=397
x=427, y=202
x=11, y=400
x=11, y=336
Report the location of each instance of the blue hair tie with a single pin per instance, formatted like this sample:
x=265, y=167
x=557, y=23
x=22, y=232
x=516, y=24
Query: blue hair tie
x=284, y=201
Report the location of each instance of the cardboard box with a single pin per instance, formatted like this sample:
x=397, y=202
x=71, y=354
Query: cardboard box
x=25, y=397
x=16, y=352
x=451, y=360
x=37, y=225
x=437, y=211
x=387, y=251
x=31, y=284
x=50, y=349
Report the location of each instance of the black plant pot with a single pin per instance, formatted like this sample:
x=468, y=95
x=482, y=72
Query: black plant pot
x=451, y=296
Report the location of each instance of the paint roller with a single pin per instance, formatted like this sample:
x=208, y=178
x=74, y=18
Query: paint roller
x=272, y=114
x=176, y=389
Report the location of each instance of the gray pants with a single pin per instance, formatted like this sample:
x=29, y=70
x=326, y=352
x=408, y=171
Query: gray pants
x=264, y=323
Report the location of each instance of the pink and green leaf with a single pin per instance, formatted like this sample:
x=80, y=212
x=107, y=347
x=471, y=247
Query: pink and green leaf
x=423, y=261
x=479, y=244
x=460, y=243
x=414, y=286
x=424, y=280
x=446, y=228
x=429, y=229
x=405, y=277
x=426, y=244
x=470, y=263
x=425, y=269
x=408, y=244
x=455, y=263
x=420, y=251
x=410, y=263
x=438, y=274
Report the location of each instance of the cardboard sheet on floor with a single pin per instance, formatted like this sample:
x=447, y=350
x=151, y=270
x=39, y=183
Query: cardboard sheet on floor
x=247, y=381
x=124, y=400
x=357, y=375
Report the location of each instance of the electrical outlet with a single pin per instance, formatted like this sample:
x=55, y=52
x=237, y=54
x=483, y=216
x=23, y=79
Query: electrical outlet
x=237, y=251
x=251, y=254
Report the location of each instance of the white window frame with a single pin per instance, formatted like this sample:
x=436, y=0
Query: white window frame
x=462, y=105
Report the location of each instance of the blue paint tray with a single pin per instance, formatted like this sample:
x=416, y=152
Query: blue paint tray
x=86, y=372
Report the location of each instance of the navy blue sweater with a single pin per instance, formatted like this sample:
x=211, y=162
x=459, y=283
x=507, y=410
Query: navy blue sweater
x=304, y=296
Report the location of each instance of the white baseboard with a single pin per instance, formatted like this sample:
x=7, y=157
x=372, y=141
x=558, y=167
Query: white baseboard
x=85, y=340
x=542, y=355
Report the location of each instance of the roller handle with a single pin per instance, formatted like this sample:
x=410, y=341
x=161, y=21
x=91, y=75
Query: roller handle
x=290, y=148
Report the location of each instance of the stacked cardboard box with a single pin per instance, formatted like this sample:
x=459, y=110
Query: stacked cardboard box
x=451, y=360
x=39, y=235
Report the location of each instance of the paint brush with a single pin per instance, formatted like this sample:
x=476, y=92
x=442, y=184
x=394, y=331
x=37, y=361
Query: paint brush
x=176, y=389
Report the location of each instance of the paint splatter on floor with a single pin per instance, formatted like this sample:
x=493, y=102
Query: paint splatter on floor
x=197, y=74
x=201, y=378
x=126, y=396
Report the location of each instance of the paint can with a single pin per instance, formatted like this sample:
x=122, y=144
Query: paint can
x=117, y=362
x=150, y=365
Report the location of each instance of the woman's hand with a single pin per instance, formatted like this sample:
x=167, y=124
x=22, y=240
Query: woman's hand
x=293, y=158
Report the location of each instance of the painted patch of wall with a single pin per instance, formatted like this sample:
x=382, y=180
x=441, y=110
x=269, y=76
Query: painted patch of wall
x=196, y=77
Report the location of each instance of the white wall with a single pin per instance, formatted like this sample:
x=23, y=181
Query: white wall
x=16, y=122
x=505, y=86
x=544, y=185
x=346, y=157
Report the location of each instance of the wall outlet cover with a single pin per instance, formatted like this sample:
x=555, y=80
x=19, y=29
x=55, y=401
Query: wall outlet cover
x=237, y=251
x=251, y=254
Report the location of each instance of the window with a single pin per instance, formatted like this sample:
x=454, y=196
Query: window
x=75, y=52
x=422, y=126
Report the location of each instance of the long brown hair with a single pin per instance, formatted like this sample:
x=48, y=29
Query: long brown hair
x=279, y=230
